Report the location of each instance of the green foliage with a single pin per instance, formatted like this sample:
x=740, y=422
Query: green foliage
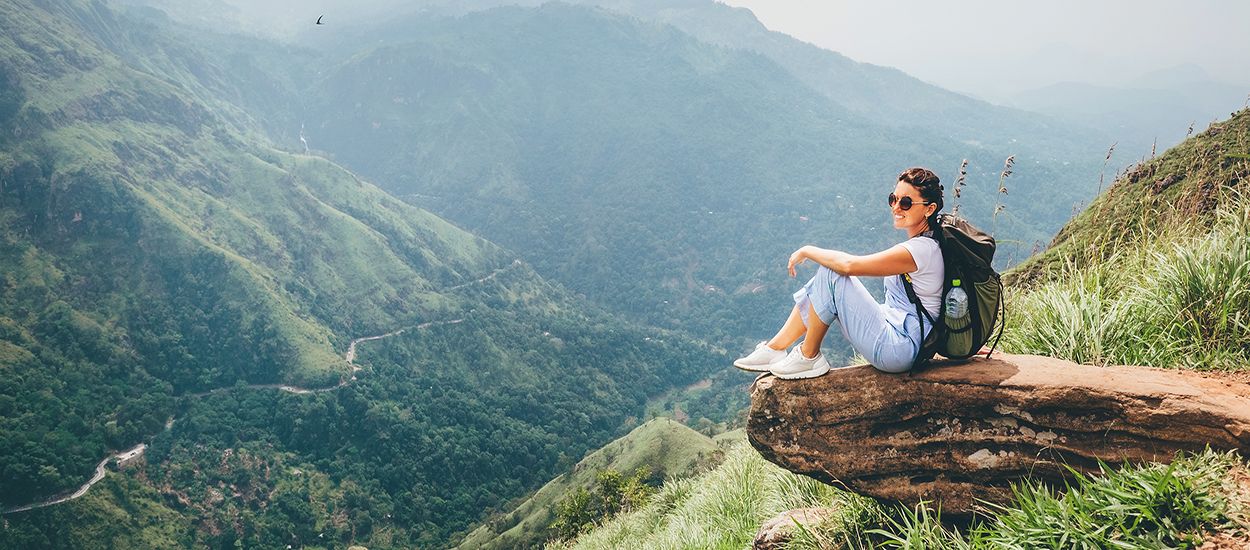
x=719, y=509
x=120, y=512
x=574, y=514
x=1181, y=301
x=613, y=494
x=1152, y=506
x=672, y=450
x=446, y=423
x=1157, y=506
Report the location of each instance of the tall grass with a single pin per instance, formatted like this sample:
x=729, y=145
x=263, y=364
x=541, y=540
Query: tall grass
x=1155, y=506
x=1152, y=506
x=722, y=508
x=1179, y=301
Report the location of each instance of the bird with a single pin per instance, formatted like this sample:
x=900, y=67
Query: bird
x=319, y=19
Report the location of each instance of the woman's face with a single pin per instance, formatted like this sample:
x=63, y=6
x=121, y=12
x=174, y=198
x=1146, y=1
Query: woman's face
x=913, y=219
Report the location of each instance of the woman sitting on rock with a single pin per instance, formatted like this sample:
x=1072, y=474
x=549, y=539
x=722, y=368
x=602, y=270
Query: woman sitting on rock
x=889, y=334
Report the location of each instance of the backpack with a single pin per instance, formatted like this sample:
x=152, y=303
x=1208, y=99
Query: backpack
x=967, y=253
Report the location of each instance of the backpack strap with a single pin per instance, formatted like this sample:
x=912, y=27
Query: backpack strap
x=1002, y=319
x=921, y=315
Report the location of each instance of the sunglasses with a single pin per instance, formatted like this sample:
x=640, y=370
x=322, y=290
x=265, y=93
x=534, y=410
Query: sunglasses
x=903, y=203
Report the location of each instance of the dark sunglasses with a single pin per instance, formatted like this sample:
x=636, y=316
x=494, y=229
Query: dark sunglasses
x=903, y=203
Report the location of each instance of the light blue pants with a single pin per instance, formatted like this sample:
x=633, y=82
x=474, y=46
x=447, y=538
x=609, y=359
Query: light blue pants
x=888, y=337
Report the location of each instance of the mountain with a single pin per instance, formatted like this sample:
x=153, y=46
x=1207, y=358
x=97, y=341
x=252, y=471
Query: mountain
x=1149, y=113
x=172, y=278
x=673, y=203
x=884, y=95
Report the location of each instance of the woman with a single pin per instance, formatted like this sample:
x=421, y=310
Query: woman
x=889, y=334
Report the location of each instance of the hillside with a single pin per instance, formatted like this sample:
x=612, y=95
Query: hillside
x=670, y=449
x=1180, y=190
x=166, y=269
x=1154, y=271
x=724, y=508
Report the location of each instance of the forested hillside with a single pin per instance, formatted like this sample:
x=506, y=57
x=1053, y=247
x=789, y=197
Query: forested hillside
x=161, y=261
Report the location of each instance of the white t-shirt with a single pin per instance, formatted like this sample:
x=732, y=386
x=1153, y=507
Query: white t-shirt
x=927, y=279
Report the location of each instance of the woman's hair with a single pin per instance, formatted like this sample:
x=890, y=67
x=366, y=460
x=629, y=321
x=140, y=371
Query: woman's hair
x=929, y=186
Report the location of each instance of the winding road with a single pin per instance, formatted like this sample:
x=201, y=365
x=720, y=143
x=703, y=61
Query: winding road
x=134, y=452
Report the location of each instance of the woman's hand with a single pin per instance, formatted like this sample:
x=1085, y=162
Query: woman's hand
x=797, y=258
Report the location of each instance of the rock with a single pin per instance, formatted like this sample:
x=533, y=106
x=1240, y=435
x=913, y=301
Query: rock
x=777, y=532
x=958, y=433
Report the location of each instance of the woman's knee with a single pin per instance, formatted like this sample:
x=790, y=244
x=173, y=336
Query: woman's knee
x=827, y=275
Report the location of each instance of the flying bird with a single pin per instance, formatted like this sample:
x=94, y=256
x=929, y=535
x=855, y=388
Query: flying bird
x=319, y=19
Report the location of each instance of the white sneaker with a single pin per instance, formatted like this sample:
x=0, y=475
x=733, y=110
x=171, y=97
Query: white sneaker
x=760, y=359
x=795, y=366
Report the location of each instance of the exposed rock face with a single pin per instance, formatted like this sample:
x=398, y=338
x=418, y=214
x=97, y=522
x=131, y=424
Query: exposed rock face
x=958, y=433
x=776, y=532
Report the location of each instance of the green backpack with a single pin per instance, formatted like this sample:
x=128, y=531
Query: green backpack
x=967, y=253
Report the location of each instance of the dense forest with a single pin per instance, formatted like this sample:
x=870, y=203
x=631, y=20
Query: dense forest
x=444, y=423
x=158, y=249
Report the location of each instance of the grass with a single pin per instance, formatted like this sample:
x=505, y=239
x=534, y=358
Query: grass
x=719, y=509
x=663, y=444
x=1180, y=301
x=1155, y=272
x=1153, y=506
x=1149, y=506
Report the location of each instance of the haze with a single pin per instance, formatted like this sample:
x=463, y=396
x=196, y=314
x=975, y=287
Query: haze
x=996, y=49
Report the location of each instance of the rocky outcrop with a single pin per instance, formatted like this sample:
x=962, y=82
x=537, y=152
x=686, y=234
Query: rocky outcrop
x=956, y=434
x=777, y=532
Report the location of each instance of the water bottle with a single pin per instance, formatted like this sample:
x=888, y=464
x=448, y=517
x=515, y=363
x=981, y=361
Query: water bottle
x=958, y=322
x=956, y=302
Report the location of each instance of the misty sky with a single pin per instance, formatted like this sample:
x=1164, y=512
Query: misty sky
x=992, y=48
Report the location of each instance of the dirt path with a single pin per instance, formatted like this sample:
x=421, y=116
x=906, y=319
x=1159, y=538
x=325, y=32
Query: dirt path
x=350, y=356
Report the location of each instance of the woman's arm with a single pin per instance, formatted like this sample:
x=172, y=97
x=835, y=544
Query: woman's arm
x=891, y=261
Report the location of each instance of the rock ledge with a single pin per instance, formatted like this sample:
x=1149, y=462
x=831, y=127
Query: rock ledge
x=956, y=434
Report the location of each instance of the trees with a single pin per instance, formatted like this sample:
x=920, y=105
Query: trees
x=612, y=494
